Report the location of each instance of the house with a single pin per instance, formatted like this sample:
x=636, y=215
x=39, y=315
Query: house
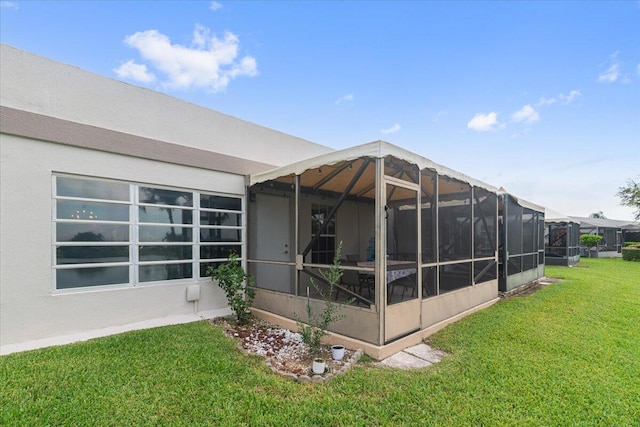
x=612, y=232
x=522, y=242
x=561, y=239
x=115, y=199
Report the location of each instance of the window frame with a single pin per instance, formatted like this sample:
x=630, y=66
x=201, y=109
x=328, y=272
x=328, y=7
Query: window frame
x=134, y=243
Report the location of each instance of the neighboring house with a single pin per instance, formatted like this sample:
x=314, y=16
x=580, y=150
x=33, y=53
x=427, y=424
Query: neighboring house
x=522, y=242
x=561, y=239
x=612, y=232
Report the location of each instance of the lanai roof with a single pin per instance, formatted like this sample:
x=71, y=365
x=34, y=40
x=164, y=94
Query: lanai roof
x=333, y=164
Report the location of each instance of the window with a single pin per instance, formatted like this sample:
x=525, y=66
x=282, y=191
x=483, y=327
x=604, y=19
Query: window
x=324, y=249
x=113, y=233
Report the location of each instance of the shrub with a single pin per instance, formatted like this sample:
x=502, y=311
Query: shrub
x=631, y=254
x=632, y=244
x=590, y=241
x=238, y=286
x=317, y=323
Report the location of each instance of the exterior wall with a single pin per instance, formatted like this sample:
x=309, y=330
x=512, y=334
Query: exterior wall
x=446, y=306
x=29, y=308
x=56, y=118
x=521, y=279
x=39, y=85
x=359, y=323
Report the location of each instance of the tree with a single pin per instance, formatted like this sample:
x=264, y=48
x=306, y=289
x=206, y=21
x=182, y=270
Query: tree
x=590, y=241
x=598, y=214
x=630, y=196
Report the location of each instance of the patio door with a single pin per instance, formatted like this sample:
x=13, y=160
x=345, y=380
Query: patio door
x=273, y=243
x=401, y=272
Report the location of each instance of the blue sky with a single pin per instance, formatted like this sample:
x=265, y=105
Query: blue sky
x=542, y=98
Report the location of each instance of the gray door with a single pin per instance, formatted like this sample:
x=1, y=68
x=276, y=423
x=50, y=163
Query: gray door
x=273, y=242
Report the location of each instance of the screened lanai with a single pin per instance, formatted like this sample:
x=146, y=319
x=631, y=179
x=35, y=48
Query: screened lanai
x=561, y=239
x=521, y=251
x=435, y=228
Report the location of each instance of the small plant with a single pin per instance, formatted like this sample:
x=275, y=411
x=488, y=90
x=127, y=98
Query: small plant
x=238, y=286
x=317, y=324
x=590, y=241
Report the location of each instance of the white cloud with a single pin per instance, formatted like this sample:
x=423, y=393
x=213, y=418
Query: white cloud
x=137, y=72
x=613, y=72
x=210, y=62
x=8, y=5
x=611, y=75
x=545, y=101
x=347, y=98
x=570, y=96
x=526, y=114
x=215, y=6
x=392, y=129
x=483, y=122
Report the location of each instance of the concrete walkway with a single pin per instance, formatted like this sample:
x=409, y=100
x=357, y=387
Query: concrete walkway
x=418, y=356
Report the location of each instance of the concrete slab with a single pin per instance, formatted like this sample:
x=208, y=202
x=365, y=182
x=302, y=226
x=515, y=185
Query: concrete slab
x=425, y=352
x=405, y=361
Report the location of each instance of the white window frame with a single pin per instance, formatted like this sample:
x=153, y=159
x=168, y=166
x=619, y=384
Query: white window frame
x=134, y=223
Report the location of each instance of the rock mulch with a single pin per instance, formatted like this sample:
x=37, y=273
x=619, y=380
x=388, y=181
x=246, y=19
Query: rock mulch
x=284, y=352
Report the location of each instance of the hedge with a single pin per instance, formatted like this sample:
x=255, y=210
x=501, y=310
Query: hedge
x=631, y=254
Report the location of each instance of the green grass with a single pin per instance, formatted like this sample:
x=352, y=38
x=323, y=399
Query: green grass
x=567, y=355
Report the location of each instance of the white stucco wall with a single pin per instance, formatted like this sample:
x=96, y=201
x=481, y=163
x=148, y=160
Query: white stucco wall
x=40, y=85
x=29, y=308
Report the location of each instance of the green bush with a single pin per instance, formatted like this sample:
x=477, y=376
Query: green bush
x=632, y=244
x=631, y=254
x=238, y=286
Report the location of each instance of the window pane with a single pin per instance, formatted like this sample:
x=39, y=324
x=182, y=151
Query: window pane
x=90, y=189
x=454, y=276
x=428, y=211
x=91, y=211
x=220, y=202
x=82, y=277
x=485, y=220
x=83, y=232
x=91, y=254
x=429, y=285
x=454, y=207
x=218, y=218
x=150, y=233
x=219, y=251
x=528, y=262
x=165, y=215
x=528, y=231
x=157, y=253
x=514, y=227
x=220, y=235
x=514, y=265
x=156, y=273
x=483, y=271
x=205, y=265
x=160, y=196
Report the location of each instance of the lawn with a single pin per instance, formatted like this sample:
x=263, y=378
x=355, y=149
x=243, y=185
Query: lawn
x=567, y=355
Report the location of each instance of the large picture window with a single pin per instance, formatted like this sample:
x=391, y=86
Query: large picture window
x=116, y=233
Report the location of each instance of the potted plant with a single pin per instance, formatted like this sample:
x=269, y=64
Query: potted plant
x=319, y=366
x=337, y=352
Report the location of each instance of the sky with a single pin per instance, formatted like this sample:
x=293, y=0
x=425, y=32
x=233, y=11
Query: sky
x=540, y=98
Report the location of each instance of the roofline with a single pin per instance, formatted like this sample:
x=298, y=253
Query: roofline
x=376, y=149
